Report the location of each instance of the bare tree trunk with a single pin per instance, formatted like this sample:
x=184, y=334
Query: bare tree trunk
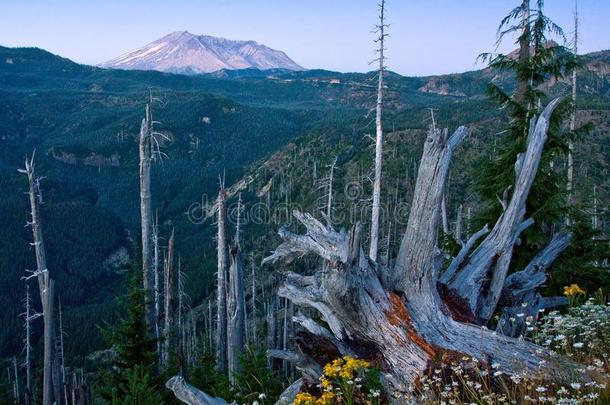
x=49, y=344
x=570, y=182
x=236, y=313
x=210, y=326
x=45, y=283
x=29, y=317
x=170, y=296
x=15, y=381
x=221, y=294
x=62, y=354
x=329, y=202
x=181, y=325
x=494, y=254
x=270, y=320
x=444, y=216
x=146, y=152
x=457, y=231
x=594, y=218
x=285, y=334
x=253, y=315
x=157, y=290
x=74, y=387
x=378, y=139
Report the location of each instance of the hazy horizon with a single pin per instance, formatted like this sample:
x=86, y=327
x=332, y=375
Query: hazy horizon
x=427, y=38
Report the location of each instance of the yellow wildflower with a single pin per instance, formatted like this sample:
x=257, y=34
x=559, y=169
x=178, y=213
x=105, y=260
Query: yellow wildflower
x=325, y=383
x=327, y=398
x=344, y=367
x=573, y=290
x=304, y=398
x=333, y=368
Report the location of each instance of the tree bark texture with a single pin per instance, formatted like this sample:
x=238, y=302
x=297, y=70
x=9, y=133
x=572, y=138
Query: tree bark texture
x=146, y=152
x=221, y=292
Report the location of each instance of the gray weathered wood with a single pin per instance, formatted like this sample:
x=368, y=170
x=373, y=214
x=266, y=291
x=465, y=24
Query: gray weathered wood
x=236, y=327
x=170, y=303
x=191, y=395
x=45, y=283
x=374, y=236
x=287, y=397
x=221, y=292
x=492, y=257
x=157, y=289
x=146, y=157
x=519, y=298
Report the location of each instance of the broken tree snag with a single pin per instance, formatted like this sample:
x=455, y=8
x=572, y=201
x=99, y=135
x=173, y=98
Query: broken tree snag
x=519, y=297
x=170, y=303
x=157, y=289
x=236, y=323
x=492, y=257
x=380, y=29
x=309, y=368
x=45, y=283
x=221, y=292
x=191, y=395
x=146, y=157
x=349, y=295
x=418, y=248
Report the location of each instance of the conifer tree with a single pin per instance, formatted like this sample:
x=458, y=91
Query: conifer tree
x=537, y=60
x=135, y=350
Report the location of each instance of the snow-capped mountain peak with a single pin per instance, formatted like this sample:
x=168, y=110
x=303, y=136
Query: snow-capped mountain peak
x=183, y=52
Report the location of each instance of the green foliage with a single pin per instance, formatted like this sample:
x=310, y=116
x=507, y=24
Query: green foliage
x=205, y=377
x=255, y=380
x=136, y=389
x=128, y=379
x=547, y=202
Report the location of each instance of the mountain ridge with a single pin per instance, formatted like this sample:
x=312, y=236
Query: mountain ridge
x=183, y=52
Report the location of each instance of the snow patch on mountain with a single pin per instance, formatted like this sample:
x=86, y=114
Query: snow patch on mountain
x=183, y=52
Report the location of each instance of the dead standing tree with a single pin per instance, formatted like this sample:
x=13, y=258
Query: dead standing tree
x=28, y=316
x=221, y=294
x=236, y=313
x=170, y=304
x=146, y=158
x=46, y=286
x=157, y=289
x=379, y=137
x=236, y=303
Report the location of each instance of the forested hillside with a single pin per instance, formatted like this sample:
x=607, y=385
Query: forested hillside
x=284, y=129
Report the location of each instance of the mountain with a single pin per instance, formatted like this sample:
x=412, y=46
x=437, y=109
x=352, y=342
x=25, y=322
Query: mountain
x=183, y=52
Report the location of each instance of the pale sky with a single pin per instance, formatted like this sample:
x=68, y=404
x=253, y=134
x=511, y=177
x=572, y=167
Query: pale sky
x=427, y=36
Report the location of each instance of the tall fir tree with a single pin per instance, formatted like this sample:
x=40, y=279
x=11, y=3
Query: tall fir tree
x=131, y=376
x=537, y=61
